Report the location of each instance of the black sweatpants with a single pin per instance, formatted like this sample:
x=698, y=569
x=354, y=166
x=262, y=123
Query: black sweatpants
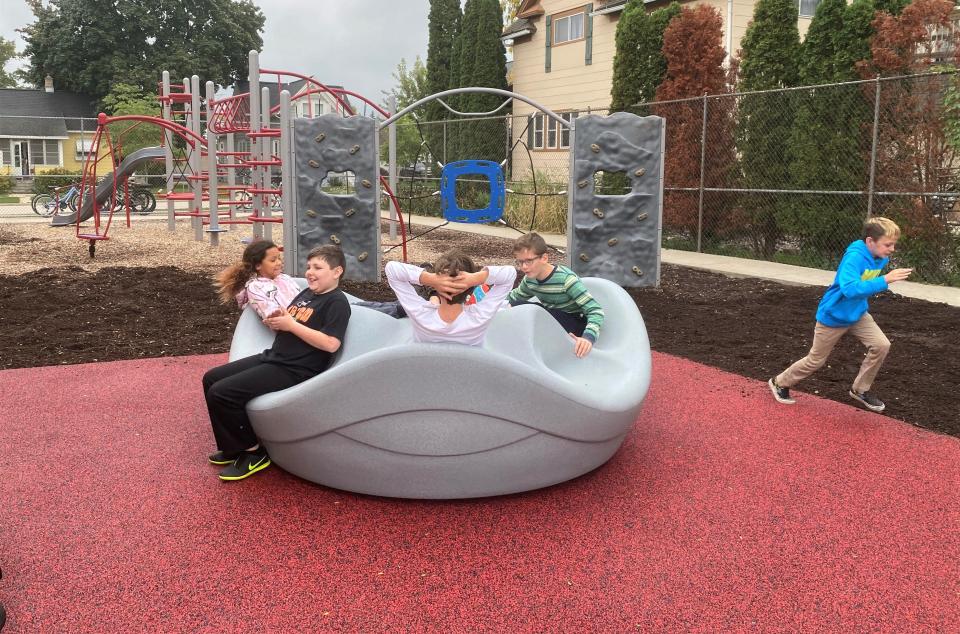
x=228, y=388
x=570, y=322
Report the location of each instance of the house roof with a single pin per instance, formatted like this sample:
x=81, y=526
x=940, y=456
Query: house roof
x=519, y=26
x=294, y=87
x=37, y=113
x=610, y=4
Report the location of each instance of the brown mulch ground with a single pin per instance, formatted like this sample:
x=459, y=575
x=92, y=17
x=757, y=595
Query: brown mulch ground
x=79, y=313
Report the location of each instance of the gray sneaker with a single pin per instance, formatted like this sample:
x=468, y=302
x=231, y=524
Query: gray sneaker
x=869, y=401
x=782, y=394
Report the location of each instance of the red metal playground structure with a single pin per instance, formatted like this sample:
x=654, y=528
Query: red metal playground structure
x=220, y=184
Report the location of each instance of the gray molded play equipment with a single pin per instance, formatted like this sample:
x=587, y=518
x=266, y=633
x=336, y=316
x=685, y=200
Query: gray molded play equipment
x=401, y=419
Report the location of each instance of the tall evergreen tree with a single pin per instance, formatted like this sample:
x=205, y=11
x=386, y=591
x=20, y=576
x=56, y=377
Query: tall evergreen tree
x=482, y=63
x=771, y=48
x=639, y=64
x=444, y=20
x=831, y=130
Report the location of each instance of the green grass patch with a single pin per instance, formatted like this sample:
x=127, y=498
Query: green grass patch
x=6, y=200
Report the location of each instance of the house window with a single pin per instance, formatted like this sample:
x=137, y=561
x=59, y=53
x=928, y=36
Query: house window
x=568, y=28
x=550, y=135
x=44, y=152
x=808, y=8
x=83, y=148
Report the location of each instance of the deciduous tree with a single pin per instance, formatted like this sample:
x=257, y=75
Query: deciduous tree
x=88, y=46
x=693, y=49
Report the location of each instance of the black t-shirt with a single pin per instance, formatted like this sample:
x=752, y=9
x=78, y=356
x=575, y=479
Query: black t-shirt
x=328, y=313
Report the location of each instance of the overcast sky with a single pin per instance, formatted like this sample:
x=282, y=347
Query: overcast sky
x=354, y=43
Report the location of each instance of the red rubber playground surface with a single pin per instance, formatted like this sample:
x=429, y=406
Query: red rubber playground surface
x=723, y=511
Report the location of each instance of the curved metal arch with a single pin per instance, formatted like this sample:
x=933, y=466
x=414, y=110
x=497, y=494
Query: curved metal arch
x=491, y=91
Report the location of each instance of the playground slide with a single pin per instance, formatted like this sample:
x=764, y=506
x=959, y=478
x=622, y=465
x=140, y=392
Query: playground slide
x=105, y=188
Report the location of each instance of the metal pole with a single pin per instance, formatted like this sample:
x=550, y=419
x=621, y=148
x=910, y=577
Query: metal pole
x=255, y=145
x=444, y=142
x=703, y=159
x=392, y=154
x=873, y=148
x=192, y=86
x=287, y=187
x=168, y=151
x=212, y=179
x=231, y=173
x=267, y=173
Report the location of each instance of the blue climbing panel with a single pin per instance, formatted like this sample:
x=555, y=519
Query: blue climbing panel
x=448, y=191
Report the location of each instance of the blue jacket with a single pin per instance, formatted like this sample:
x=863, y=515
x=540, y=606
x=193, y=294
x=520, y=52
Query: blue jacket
x=858, y=277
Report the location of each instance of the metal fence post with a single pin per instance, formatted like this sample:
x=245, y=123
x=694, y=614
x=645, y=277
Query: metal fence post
x=873, y=148
x=703, y=159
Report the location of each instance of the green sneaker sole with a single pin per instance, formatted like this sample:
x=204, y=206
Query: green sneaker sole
x=241, y=476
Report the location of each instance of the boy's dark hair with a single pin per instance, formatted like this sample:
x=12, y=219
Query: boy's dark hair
x=878, y=227
x=331, y=254
x=453, y=263
x=531, y=241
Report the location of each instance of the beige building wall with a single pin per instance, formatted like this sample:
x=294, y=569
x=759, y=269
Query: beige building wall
x=571, y=84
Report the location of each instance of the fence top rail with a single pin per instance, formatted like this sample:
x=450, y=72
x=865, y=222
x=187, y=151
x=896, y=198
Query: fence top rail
x=491, y=91
x=878, y=78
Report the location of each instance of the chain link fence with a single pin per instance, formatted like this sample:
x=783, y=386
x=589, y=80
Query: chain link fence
x=782, y=175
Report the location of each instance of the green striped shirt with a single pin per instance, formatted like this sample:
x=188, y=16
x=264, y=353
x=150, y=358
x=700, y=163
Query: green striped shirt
x=562, y=290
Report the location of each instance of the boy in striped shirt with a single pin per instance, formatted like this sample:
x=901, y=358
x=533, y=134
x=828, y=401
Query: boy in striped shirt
x=559, y=291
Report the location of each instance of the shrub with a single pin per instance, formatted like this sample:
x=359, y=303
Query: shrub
x=56, y=177
x=6, y=184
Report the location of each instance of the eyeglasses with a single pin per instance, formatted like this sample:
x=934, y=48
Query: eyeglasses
x=527, y=261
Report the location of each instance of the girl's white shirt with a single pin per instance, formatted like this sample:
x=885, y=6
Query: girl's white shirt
x=470, y=327
x=266, y=295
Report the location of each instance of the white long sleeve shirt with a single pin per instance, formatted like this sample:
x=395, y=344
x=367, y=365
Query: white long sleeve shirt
x=470, y=326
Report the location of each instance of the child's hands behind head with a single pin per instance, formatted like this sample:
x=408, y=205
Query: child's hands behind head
x=446, y=286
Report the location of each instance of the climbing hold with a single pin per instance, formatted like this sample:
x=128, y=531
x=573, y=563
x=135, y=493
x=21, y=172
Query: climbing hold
x=598, y=213
x=584, y=257
x=642, y=217
x=311, y=213
x=637, y=271
x=640, y=172
x=354, y=149
x=612, y=241
x=595, y=148
x=366, y=183
x=349, y=212
x=582, y=183
x=334, y=239
x=313, y=163
x=320, y=137
x=362, y=256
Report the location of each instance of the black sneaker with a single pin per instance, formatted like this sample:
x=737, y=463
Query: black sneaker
x=869, y=401
x=223, y=457
x=246, y=465
x=782, y=394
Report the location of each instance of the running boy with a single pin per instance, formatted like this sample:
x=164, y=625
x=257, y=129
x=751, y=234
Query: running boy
x=844, y=307
x=309, y=332
x=559, y=290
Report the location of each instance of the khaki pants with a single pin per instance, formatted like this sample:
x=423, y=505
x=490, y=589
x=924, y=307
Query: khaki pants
x=825, y=338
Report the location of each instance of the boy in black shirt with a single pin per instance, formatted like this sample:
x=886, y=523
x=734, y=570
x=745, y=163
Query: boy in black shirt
x=308, y=334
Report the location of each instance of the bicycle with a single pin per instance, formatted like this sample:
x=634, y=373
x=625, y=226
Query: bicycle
x=142, y=200
x=48, y=204
x=276, y=201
